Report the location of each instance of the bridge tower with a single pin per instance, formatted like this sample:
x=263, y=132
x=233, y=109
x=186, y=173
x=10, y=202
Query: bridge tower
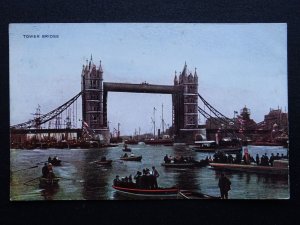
x=92, y=99
x=185, y=108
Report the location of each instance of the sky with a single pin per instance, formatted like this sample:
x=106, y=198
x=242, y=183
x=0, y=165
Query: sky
x=237, y=65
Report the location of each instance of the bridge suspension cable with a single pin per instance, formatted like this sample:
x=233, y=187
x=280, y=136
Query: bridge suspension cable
x=46, y=117
x=215, y=112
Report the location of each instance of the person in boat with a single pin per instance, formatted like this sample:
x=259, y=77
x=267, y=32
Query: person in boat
x=137, y=178
x=132, y=155
x=125, y=146
x=45, y=170
x=155, y=175
x=51, y=174
x=167, y=159
x=103, y=159
x=224, y=185
x=272, y=158
x=230, y=158
x=117, y=181
x=49, y=159
x=125, y=155
x=257, y=159
x=277, y=156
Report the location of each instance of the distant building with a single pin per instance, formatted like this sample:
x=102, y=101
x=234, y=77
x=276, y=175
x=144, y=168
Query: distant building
x=276, y=119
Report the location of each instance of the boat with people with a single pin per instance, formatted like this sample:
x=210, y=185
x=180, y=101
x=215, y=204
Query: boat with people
x=55, y=161
x=183, y=162
x=190, y=164
x=280, y=167
x=159, y=193
x=104, y=162
x=131, y=158
x=211, y=146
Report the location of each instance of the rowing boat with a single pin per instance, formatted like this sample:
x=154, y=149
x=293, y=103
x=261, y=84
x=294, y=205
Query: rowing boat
x=191, y=164
x=104, y=163
x=49, y=182
x=136, y=193
x=132, y=158
x=279, y=167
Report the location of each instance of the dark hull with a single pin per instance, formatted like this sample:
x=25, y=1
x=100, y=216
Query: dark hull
x=226, y=150
x=104, y=163
x=55, y=162
x=161, y=193
x=186, y=165
x=251, y=168
x=178, y=165
x=46, y=182
x=158, y=142
x=133, y=158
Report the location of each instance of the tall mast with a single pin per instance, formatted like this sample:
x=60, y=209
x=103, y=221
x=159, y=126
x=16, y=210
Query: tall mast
x=162, y=118
x=154, y=121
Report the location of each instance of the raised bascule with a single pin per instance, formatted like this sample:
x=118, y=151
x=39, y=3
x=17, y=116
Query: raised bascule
x=184, y=100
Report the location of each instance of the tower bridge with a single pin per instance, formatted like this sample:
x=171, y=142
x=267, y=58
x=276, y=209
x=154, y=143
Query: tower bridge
x=94, y=93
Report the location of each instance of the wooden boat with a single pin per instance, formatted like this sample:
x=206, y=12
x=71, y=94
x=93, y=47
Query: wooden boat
x=211, y=146
x=132, y=158
x=55, y=162
x=186, y=194
x=158, y=141
x=201, y=163
x=49, y=182
x=280, y=167
x=104, y=163
x=160, y=193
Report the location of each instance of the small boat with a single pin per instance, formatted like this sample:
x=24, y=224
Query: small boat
x=49, y=182
x=158, y=141
x=159, y=193
x=186, y=194
x=104, y=163
x=211, y=146
x=55, y=162
x=280, y=167
x=192, y=164
x=178, y=165
x=132, y=158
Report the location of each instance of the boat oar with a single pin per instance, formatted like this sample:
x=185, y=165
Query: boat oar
x=31, y=180
x=67, y=178
x=25, y=169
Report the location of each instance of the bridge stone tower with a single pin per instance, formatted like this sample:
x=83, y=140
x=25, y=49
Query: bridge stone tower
x=185, y=108
x=92, y=99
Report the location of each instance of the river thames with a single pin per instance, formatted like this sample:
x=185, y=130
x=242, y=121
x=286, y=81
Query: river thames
x=82, y=179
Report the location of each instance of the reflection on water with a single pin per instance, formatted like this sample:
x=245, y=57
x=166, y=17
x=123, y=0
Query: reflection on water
x=82, y=179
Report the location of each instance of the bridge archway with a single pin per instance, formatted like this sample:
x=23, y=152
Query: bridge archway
x=175, y=91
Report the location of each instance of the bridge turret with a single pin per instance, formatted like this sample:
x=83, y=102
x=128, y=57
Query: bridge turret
x=195, y=76
x=175, y=79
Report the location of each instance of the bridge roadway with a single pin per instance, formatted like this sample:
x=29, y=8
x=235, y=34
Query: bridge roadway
x=141, y=88
x=44, y=131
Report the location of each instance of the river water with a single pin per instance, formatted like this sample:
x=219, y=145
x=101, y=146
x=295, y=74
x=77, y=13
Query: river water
x=84, y=180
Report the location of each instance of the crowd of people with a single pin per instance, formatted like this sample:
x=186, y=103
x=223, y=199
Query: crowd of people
x=264, y=160
x=178, y=159
x=143, y=180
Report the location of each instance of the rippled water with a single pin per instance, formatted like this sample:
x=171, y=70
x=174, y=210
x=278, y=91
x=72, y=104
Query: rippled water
x=84, y=180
